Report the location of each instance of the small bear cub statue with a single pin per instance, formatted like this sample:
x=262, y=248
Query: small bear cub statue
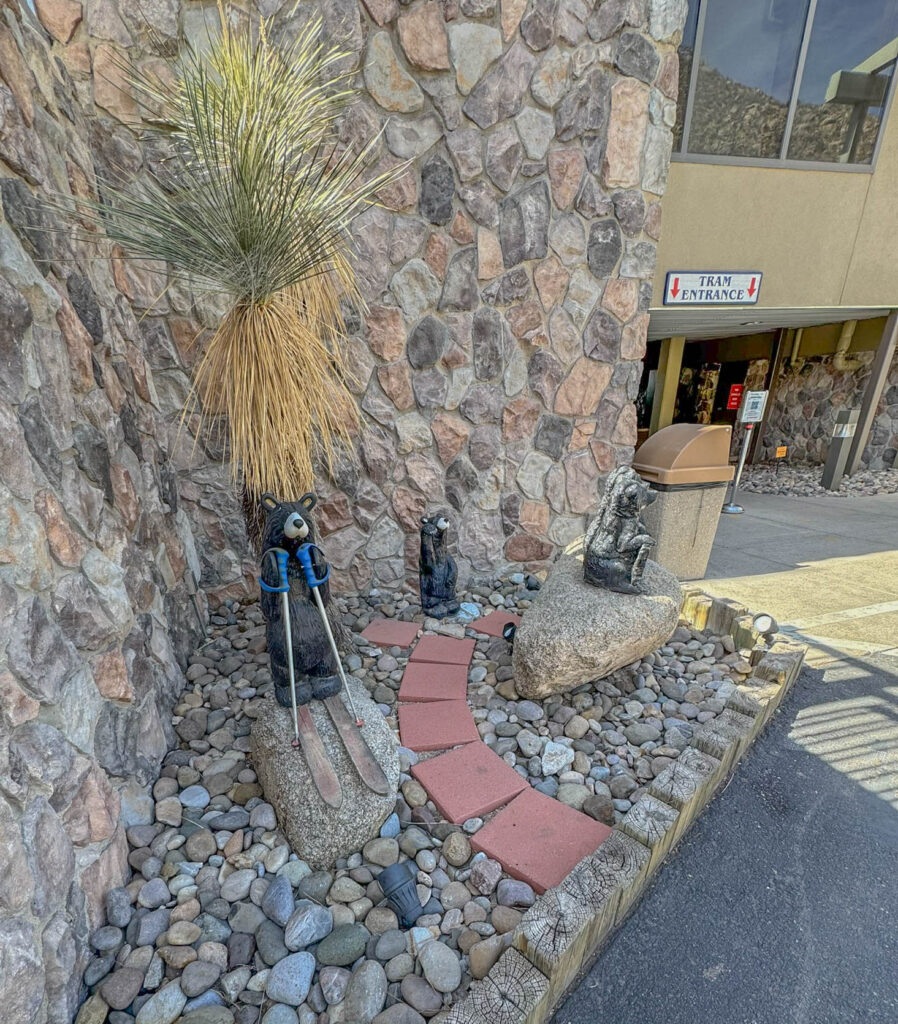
x=288, y=526
x=438, y=572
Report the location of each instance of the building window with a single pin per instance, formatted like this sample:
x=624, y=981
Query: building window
x=790, y=82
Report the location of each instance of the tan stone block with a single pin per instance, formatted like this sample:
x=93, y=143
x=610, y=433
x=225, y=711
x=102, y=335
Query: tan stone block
x=526, y=320
x=382, y=11
x=519, y=418
x=109, y=870
x=551, y=279
x=633, y=337
x=462, y=228
x=626, y=132
x=111, y=676
x=66, y=546
x=451, y=435
x=422, y=33
x=15, y=704
x=580, y=392
x=583, y=432
x=93, y=813
x=489, y=255
x=621, y=297
x=534, y=517
x=566, y=167
x=15, y=73
x=436, y=253
x=112, y=90
x=625, y=428
x=511, y=14
x=386, y=332
x=409, y=506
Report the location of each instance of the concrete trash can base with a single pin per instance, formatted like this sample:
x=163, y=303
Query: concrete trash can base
x=688, y=465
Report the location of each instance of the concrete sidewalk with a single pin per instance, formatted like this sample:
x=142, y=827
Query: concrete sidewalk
x=780, y=905
x=825, y=568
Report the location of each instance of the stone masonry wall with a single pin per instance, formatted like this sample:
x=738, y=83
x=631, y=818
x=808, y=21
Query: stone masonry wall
x=508, y=272
x=105, y=515
x=807, y=399
x=507, y=275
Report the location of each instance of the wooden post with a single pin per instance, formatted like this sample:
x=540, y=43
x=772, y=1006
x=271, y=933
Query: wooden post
x=669, y=365
x=879, y=372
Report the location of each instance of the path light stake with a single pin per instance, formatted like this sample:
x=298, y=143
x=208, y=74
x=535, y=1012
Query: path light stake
x=398, y=886
x=281, y=557
x=305, y=555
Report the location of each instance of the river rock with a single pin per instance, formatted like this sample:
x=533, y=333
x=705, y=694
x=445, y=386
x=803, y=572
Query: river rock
x=575, y=633
x=319, y=833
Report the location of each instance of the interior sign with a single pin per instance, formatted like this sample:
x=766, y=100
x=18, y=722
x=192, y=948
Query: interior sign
x=712, y=287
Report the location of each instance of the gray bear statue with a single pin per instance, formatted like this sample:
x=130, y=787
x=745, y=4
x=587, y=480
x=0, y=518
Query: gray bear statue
x=287, y=526
x=438, y=573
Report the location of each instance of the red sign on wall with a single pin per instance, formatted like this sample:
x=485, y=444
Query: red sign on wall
x=735, y=398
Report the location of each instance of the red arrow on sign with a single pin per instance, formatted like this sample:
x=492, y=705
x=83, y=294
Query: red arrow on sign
x=675, y=289
x=752, y=289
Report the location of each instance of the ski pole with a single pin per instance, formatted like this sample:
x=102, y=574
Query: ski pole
x=304, y=557
x=281, y=557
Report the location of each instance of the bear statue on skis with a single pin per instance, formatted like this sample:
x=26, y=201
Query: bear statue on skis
x=288, y=526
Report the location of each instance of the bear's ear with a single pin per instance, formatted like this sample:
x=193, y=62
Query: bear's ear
x=308, y=501
x=269, y=502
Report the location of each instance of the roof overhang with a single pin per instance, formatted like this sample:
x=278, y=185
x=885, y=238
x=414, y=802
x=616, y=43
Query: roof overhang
x=704, y=322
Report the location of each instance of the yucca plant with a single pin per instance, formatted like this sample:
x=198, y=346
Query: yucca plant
x=254, y=200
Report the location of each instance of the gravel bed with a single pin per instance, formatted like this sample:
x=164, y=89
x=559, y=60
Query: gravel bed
x=222, y=922
x=803, y=481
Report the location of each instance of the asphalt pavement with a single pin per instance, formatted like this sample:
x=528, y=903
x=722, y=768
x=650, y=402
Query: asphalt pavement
x=780, y=906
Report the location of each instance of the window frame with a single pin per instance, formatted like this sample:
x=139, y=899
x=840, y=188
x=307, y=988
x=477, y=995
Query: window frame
x=682, y=154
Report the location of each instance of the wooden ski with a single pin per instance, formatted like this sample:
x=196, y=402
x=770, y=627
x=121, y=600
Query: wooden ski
x=360, y=753
x=322, y=770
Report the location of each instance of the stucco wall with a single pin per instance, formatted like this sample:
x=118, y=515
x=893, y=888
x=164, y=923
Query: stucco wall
x=822, y=237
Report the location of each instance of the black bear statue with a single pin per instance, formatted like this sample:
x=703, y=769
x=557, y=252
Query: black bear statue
x=288, y=526
x=438, y=573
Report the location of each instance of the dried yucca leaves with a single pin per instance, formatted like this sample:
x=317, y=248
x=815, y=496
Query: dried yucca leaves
x=254, y=200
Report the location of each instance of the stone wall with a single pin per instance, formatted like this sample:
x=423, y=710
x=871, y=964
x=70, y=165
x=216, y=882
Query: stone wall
x=507, y=274
x=807, y=398
x=106, y=518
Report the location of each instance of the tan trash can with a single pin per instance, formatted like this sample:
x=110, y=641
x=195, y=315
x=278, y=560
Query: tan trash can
x=688, y=465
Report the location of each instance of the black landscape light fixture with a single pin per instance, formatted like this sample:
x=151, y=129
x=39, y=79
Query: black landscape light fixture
x=398, y=886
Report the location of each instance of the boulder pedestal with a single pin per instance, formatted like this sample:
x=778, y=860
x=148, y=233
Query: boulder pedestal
x=318, y=833
x=575, y=633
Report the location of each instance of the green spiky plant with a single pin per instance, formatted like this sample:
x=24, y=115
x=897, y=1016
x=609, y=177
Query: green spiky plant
x=254, y=201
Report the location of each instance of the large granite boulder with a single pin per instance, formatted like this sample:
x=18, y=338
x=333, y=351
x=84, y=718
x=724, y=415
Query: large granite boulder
x=317, y=832
x=575, y=633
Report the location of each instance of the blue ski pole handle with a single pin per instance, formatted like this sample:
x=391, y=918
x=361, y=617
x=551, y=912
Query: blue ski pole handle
x=280, y=556
x=304, y=557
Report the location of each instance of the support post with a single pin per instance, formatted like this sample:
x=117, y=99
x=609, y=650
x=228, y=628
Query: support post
x=669, y=365
x=837, y=456
x=879, y=372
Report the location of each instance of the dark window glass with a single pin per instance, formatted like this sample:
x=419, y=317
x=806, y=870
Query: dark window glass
x=685, y=52
x=749, y=54
x=848, y=68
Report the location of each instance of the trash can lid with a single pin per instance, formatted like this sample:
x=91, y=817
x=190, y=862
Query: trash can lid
x=686, y=453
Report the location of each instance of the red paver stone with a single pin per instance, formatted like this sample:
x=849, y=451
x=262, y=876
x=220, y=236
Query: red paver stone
x=391, y=632
x=424, y=680
x=494, y=623
x=436, y=725
x=468, y=782
x=538, y=839
x=446, y=650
